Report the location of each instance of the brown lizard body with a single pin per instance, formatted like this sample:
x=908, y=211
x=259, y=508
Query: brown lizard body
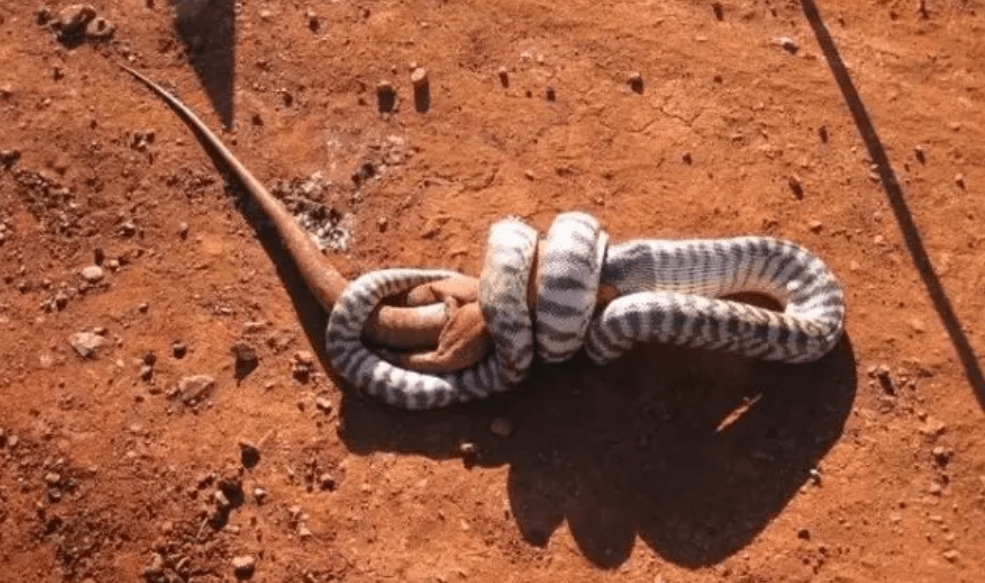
x=458, y=333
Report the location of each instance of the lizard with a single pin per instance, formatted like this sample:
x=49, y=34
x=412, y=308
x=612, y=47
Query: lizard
x=455, y=331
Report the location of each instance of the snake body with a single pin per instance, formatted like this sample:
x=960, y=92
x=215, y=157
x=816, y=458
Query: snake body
x=399, y=387
x=666, y=291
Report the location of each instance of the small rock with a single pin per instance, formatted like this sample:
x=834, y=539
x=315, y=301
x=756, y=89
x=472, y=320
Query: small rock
x=504, y=77
x=9, y=157
x=194, y=389
x=304, y=532
x=501, y=427
x=179, y=349
x=804, y=534
x=386, y=96
x=246, y=358
x=86, y=344
x=933, y=427
x=941, y=455
x=816, y=226
x=419, y=78
x=881, y=372
x=92, y=273
x=244, y=566
x=686, y=158
x=183, y=230
x=959, y=180
x=314, y=23
x=73, y=19
x=796, y=185
x=221, y=500
x=127, y=229
x=935, y=489
x=921, y=153
x=788, y=44
x=249, y=454
x=146, y=372
x=719, y=10
x=259, y=494
x=326, y=481
x=467, y=449
x=323, y=404
x=550, y=94
x=952, y=555
x=100, y=29
x=635, y=81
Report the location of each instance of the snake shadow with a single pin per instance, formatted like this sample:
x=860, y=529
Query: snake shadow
x=693, y=453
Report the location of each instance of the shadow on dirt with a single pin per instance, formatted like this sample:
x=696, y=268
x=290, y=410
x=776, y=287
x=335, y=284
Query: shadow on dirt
x=897, y=201
x=692, y=452
x=208, y=29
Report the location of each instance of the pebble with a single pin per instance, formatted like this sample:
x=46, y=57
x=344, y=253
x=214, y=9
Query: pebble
x=244, y=566
x=501, y=427
x=183, y=230
x=246, y=355
x=816, y=226
x=249, y=454
x=952, y=555
x=941, y=455
x=504, y=77
x=386, y=96
x=467, y=449
x=635, y=81
x=9, y=157
x=195, y=388
x=419, y=78
x=788, y=44
x=314, y=23
x=179, y=349
x=259, y=494
x=959, y=180
x=86, y=344
x=921, y=153
x=92, y=273
x=327, y=481
x=796, y=185
x=323, y=404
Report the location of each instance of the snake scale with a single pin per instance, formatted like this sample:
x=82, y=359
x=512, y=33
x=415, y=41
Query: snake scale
x=543, y=297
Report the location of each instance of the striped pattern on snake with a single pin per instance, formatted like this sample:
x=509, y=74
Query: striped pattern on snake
x=567, y=284
x=503, y=283
x=668, y=290
x=396, y=386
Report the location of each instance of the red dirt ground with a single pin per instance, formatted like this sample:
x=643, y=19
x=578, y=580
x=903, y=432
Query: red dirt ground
x=670, y=465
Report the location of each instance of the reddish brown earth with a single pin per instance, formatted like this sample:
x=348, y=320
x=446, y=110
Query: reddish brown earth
x=670, y=465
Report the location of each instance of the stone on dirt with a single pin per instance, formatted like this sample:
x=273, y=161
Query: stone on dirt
x=86, y=344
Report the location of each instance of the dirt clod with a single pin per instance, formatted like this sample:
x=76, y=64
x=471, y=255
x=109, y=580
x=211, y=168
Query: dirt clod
x=244, y=566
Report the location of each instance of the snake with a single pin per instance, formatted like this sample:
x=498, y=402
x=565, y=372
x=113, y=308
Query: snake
x=544, y=298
